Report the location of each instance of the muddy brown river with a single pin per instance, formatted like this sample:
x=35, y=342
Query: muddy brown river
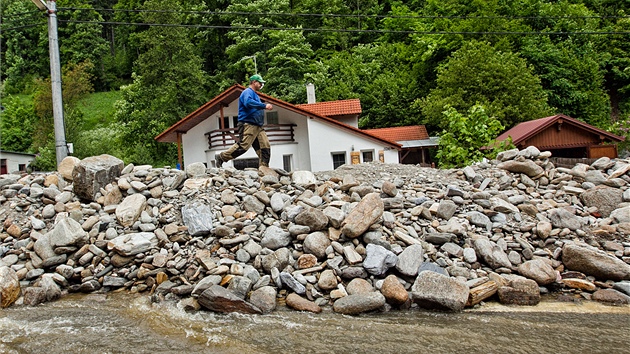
x=124, y=323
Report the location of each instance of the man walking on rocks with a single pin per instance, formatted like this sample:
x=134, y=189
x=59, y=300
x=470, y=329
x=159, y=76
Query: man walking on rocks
x=251, y=118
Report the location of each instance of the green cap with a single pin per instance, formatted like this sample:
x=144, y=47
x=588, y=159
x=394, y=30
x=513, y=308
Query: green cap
x=256, y=78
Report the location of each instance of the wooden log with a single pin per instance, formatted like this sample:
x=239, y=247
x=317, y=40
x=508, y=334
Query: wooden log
x=482, y=292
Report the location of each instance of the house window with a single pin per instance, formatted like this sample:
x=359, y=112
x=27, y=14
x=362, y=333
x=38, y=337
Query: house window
x=368, y=156
x=234, y=121
x=286, y=162
x=22, y=167
x=339, y=158
x=226, y=122
x=3, y=166
x=241, y=164
x=272, y=118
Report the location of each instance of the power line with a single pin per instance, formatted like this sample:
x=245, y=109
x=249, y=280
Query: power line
x=341, y=15
x=337, y=29
x=348, y=30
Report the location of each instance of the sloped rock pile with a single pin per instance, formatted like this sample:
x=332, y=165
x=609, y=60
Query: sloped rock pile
x=360, y=238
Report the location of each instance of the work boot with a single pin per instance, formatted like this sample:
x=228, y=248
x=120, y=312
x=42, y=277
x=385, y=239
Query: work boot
x=218, y=160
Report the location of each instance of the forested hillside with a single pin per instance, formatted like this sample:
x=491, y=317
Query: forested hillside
x=408, y=62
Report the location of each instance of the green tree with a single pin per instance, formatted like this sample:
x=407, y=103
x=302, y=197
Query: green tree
x=16, y=124
x=24, y=46
x=290, y=60
x=377, y=74
x=479, y=74
x=573, y=77
x=169, y=84
x=469, y=138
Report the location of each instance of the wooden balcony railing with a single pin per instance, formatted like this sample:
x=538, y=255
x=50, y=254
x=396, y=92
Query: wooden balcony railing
x=277, y=133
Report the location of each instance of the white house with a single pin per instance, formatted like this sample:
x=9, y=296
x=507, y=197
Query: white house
x=300, y=138
x=11, y=161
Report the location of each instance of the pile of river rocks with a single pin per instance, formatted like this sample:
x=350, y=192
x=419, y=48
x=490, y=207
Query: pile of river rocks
x=360, y=238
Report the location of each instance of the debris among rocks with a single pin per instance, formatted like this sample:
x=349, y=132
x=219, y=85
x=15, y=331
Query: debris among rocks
x=360, y=238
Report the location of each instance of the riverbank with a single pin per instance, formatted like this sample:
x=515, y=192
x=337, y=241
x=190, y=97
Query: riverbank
x=362, y=238
x=124, y=323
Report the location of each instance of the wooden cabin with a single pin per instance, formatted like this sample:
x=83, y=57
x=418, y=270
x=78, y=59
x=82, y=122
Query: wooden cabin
x=564, y=137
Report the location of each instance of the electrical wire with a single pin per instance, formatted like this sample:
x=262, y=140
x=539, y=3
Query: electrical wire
x=339, y=15
x=349, y=30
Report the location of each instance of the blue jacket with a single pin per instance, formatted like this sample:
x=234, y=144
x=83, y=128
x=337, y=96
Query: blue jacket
x=250, y=109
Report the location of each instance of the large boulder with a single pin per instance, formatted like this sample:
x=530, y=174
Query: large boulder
x=218, y=299
x=432, y=290
x=94, y=173
x=594, y=262
x=364, y=214
x=606, y=199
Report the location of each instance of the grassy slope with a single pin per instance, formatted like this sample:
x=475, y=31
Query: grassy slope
x=98, y=108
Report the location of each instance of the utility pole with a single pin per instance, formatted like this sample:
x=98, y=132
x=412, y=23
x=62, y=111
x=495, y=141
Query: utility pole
x=61, y=147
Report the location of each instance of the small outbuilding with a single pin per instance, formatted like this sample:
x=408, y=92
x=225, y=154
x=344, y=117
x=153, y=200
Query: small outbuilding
x=415, y=142
x=12, y=161
x=564, y=137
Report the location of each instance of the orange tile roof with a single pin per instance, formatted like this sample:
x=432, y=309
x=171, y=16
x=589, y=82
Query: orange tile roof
x=334, y=108
x=413, y=132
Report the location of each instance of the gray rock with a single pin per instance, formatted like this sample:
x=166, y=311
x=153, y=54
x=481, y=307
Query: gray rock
x=335, y=216
x=432, y=290
x=439, y=238
x=359, y=303
x=251, y=203
x=264, y=298
x=491, y=254
x=528, y=167
x=94, y=173
x=594, y=262
x=130, y=209
x=303, y=177
x=623, y=286
x=562, y=218
x=606, y=199
x=410, y=259
x=218, y=299
x=275, y=237
x=446, y=209
x=316, y=244
x=432, y=267
x=479, y=219
x=538, y=270
x=378, y=259
x=198, y=218
x=520, y=292
x=364, y=214
x=206, y=283
x=240, y=286
x=621, y=215
x=315, y=219
x=132, y=244
x=289, y=281
x=196, y=170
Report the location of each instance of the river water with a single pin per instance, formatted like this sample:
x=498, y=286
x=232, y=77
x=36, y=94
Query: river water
x=124, y=323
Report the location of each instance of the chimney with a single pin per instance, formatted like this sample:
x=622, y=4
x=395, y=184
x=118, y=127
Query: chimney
x=310, y=93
